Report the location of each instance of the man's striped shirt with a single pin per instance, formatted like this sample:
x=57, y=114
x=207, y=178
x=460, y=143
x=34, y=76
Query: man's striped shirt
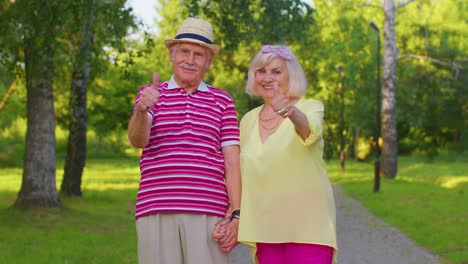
x=182, y=166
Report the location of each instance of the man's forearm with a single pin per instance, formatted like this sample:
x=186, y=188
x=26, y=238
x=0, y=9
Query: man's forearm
x=139, y=129
x=233, y=177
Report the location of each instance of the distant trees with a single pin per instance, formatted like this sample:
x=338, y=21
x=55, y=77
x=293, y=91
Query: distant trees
x=92, y=25
x=68, y=57
x=432, y=102
x=343, y=39
x=33, y=35
x=335, y=33
x=418, y=61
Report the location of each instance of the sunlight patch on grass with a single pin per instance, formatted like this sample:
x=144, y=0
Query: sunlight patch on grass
x=103, y=177
x=411, y=168
x=133, y=152
x=354, y=172
x=11, y=180
x=100, y=176
x=111, y=186
x=452, y=182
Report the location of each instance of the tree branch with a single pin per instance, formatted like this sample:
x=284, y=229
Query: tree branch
x=370, y=5
x=10, y=90
x=404, y=4
x=456, y=67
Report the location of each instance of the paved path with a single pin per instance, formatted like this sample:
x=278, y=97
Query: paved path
x=362, y=239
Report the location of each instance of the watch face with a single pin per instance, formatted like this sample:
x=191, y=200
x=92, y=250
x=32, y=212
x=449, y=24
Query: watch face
x=236, y=213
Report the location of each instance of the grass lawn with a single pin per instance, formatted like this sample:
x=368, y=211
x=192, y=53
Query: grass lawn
x=96, y=228
x=427, y=201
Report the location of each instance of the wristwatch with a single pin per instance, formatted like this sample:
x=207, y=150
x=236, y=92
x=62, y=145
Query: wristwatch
x=235, y=214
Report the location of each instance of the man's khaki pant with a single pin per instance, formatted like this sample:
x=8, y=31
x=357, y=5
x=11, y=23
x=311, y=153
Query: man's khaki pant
x=178, y=238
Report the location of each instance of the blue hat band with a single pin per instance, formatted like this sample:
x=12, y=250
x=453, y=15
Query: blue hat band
x=194, y=36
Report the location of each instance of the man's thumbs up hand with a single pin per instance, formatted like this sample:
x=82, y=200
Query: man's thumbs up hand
x=150, y=95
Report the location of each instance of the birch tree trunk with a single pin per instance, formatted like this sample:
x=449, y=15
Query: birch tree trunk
x=389, y=129
x=76, y=148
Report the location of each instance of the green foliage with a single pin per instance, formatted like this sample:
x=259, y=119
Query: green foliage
x=276, y=21
x=24, y=26
x=110, y=105
x=431, y=90
x=112, y=22
x=342, y=38
x=12, y=144
x=432, y=77
x=14, y=105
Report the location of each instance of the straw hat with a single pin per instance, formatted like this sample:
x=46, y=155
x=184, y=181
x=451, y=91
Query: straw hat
x=197, y=31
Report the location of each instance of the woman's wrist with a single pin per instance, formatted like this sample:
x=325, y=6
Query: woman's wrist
x=293, y=112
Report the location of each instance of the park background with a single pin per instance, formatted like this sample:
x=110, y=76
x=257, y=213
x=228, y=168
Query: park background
x=70, y=71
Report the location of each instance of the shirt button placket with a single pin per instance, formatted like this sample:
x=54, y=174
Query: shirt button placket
x=187, y=104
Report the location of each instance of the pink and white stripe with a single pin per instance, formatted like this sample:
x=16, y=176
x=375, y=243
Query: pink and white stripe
x=182, y=166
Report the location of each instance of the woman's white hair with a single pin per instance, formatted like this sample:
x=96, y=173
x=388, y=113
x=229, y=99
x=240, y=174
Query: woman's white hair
x=297, y=86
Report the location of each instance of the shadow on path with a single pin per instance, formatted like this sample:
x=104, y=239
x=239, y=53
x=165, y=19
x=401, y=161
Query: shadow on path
x=362, y=239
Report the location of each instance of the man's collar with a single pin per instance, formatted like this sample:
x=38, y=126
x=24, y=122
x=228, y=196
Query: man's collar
x=173, y=85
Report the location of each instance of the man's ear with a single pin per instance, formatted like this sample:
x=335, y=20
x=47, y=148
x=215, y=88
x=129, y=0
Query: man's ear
x=208, y=63
x=169, y=50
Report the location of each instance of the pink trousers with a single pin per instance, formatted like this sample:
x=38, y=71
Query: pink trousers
x=294, y=253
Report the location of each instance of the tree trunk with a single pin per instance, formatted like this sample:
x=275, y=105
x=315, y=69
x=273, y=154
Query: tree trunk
x=76, y=149
x=459, y=126
x=38, y=186
x=355, y=148
x=342, y=122
x=389, y=129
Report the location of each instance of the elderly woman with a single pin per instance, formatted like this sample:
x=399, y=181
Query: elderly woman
x=288, y=209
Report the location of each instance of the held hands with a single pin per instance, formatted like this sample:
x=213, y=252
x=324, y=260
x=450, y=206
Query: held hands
x=225, y=233
x=149, y=96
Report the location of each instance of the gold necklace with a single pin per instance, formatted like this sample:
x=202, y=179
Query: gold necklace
x=267, y=119
x=264, y=121
x=272, y=127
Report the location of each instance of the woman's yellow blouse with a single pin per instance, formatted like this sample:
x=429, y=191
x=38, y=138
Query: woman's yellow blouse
x=286, y=193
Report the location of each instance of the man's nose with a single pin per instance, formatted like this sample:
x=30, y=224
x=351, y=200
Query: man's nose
x=191, y=58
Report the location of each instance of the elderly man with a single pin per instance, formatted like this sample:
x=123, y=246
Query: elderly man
x=190, y=171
